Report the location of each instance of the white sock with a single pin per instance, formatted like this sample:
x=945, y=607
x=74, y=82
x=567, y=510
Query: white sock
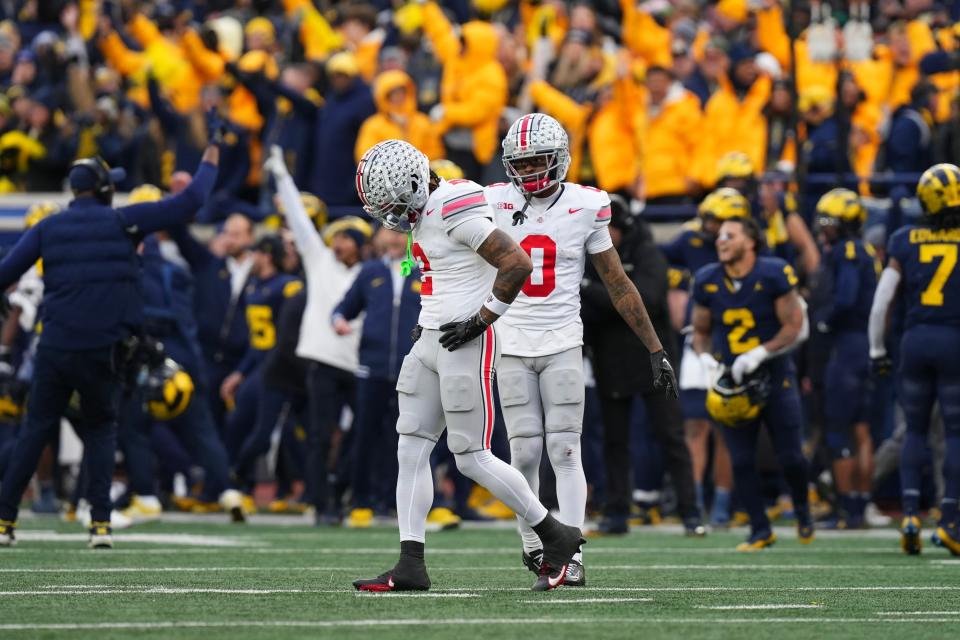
x=504, y=482
x=564, y=452
x=414, y=487
x=525, y=456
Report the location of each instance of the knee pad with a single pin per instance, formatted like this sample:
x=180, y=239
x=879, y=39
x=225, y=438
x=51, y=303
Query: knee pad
x=525, y=453
x=409, y=424
x=564, y=450
x=469, y=464
x=523, y=418
x=563, y=394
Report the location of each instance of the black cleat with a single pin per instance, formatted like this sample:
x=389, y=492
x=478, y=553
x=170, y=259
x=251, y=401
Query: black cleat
x=550, y=578
x=556, y=556
x=693, y=527
x=394, y=580
x=576, y=575
x=533, y=560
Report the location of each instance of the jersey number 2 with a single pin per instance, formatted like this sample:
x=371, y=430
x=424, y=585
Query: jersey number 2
x=426, y=282
x=740, y=321
x=543, y=254
x=933, y=294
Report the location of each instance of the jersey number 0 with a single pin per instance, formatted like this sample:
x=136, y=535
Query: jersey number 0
x=543, y=254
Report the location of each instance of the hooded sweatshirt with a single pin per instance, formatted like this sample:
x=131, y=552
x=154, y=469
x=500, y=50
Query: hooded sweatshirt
x=403, y=122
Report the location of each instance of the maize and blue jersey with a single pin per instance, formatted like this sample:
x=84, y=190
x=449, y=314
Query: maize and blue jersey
x=853, y=268
x=264, y=299
x=743, y=312
x=931, y=283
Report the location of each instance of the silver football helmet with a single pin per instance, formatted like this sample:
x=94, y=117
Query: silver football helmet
x=536, y=135
x=393, y=182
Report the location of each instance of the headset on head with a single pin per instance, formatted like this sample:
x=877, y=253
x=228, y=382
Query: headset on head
x=103, y=188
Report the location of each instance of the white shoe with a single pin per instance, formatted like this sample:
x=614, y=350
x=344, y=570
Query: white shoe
x=117, y=519
x=232, y=502
x=101, y=536
x=875, y=517
x=143, y=509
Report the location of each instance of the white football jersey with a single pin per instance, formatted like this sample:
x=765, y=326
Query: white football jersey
x=454, y=279
x=557, y=233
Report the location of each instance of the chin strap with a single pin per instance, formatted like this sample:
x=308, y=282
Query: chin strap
x=406, y=265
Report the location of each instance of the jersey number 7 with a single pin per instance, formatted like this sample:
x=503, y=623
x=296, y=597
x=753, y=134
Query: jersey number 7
x=543, y=254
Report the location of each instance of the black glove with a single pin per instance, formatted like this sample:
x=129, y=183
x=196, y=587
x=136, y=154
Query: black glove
x=663, y=376
x=457, y=334
x=5, y=306
x=881, y=367
x=216, y=128
x=416, y=333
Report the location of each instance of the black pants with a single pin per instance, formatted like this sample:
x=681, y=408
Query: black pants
x=57, y=374
x=666, y=421
x=328, y=390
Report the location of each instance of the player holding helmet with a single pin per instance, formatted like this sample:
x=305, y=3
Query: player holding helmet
x=471, y=272
x=541, y=386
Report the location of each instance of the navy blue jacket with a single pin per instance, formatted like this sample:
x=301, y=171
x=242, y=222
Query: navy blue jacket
x=168, y=310
x=333, y=178
x=907, y=149
x=91, y=271
x=385, y=339
x=221, y=321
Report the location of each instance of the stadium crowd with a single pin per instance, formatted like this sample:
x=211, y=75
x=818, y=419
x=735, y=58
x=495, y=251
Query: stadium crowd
x=288, y=316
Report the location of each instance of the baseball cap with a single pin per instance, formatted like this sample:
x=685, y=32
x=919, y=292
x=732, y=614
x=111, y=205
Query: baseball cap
x=83, y=177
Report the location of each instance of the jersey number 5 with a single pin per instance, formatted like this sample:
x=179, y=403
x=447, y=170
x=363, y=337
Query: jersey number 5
x=740, y=322
x=426, y=282
x=543, y=254
x=263, y=335
x=933, y=295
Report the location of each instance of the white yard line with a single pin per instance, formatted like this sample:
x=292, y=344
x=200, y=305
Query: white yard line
x=549, y=600
x=373, y=622
x=416, y=595
x=593, y=567
x=755, y=607
x=918, y=613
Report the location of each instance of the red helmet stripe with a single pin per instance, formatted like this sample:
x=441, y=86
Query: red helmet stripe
x=524, y=125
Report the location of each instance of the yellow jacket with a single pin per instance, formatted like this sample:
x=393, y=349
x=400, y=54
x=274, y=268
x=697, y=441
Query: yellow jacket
x=606, y=130
x=319, y=39
x=668, y=137
x=405, y=123
x=167, y=60
x=732, y=125
x=241, y=105
x=772, y=37
x=644, y=37
x=473, y=90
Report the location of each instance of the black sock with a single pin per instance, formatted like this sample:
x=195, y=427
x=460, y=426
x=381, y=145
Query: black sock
x=548, y=529
x=411, y=566
x=411, y=549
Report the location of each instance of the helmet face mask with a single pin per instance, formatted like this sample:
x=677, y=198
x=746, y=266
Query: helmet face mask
x=840, y=214
x=733, y=404
x=393, y=182
x=536, y=153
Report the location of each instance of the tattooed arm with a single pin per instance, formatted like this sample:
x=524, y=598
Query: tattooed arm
x=513, y=268
x=626, y=298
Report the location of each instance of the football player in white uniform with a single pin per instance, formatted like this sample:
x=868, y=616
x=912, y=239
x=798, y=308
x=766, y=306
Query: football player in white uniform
x=471, y=273
x=558, y=224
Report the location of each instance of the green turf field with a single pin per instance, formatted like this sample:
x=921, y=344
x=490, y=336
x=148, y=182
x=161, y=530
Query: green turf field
x=212, y=580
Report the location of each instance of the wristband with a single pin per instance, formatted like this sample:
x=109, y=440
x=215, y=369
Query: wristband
x=496, y=306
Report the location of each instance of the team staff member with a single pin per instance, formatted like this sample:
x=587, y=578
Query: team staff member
x=92, y=305
x=220, y=301
x=747, y=313
x=921, y=268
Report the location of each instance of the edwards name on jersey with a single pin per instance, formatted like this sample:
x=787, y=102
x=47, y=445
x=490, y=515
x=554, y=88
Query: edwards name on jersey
x=557, y=233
